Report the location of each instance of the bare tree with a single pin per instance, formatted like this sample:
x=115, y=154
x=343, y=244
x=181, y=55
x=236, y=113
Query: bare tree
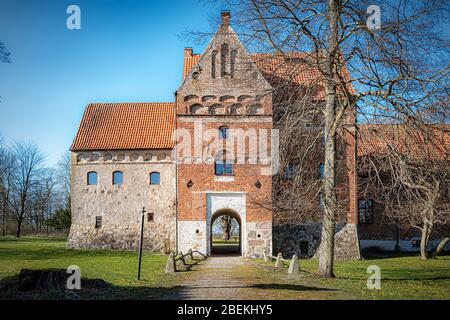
x=394, y=71
x=411, y=173
x=5, y=55
x=63, y=178
x=26, y=176
x=6, y=170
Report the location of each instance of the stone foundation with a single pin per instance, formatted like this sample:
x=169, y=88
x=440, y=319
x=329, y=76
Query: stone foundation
x=120, y=238
x=289, y=239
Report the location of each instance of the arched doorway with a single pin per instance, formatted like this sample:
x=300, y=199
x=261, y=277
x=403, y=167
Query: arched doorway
x=226, y=222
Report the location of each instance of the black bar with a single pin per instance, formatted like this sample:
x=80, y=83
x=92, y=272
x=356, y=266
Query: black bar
x=140, y=245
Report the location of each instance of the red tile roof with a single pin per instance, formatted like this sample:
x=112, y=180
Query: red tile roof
x=431, y=143
x=120, y=126
x=292, y=67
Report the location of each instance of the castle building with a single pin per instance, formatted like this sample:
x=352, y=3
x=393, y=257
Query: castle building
x=210, y=153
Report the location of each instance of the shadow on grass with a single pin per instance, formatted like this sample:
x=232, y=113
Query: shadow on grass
x=51, y=284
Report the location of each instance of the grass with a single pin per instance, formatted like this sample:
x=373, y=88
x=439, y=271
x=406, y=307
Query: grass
x=231, y=242
x=403, y=277
x=118, y=268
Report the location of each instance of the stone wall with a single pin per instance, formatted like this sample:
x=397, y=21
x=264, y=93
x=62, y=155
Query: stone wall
x=120, y=206
x=290, y=238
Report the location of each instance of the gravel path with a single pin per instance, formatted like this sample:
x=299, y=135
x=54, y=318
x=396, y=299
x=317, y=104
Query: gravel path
x=234, y=277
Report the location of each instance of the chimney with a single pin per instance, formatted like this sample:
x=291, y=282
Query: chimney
x=187, y=52
x=225, y=17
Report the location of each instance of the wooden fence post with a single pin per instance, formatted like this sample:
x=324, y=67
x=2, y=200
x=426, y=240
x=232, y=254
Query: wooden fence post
x=171, y=264
x=279, y=261
x=294, y=266
x=266, y=257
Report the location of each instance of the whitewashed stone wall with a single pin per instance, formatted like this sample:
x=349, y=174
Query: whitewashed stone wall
x=193, y=235
x=120, y=206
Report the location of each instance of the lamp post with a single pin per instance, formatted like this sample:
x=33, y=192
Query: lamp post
x=140, y=244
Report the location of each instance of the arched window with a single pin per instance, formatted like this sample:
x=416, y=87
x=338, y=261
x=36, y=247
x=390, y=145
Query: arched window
x=117, y=178
x=224, y=52
x=92, y=178
x=233, y=62
x=213, y=63
x=223, y=166
x=154, y=178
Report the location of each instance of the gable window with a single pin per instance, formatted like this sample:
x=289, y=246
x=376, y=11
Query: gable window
x=223, y=133
x=223, y=166
x=365, y=211
x=150, y=217
x=117, y=178
x=98, y=222
x=154, y=178
x=233, y=62
x=213, y=64
x=92, y=178
x=224, y=52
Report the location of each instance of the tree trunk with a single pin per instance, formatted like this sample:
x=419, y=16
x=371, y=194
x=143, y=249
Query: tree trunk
x=426, y=232
x=4, y=219
x=326, y=252
x=436, y=251
x=19, y=225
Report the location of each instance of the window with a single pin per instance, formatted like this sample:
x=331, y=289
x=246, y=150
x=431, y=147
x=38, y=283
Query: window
x=150, y=217
x=98, y=222
x=304, y=247
x=233, y=62
x=223, y=168
x=92, y=178
x=289, y=171
x=224, y=52
x=213, y=64
x=223, y=132
x=365, y=211
x=117, y=178
x=154, y=178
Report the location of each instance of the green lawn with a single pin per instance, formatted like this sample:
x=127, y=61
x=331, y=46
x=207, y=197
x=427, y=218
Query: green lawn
x=118, y=268
x=405, y=277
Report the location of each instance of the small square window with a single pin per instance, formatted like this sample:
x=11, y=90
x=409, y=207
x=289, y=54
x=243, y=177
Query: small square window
x=98, y=222
x=304, y=247
x=150, y=216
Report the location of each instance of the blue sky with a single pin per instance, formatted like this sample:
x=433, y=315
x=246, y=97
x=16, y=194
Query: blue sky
x=125, y=51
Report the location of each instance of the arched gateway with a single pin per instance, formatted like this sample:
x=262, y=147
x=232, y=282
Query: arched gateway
x=232, y=204
x=230, y=247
